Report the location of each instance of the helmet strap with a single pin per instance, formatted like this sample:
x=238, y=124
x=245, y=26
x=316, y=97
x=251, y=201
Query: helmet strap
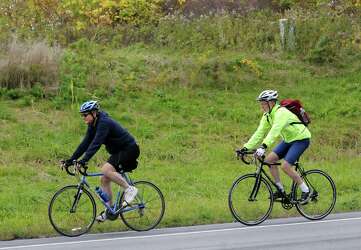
x=95, y=118
x=269, y=107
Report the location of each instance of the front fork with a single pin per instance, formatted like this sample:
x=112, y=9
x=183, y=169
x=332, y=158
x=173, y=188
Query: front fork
x=76, y=199
x=257, y=184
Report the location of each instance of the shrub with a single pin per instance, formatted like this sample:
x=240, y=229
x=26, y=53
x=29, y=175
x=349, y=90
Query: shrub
x=255, y=30
x=15, y=93
x=324, y=51
x=68, y=20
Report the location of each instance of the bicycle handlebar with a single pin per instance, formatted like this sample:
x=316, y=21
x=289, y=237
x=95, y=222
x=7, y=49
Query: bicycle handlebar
x=242, y=156
x=75, y=168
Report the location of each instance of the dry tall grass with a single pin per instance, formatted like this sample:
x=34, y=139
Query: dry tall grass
x=26, y=64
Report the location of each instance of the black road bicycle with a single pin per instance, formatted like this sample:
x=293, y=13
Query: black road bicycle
x=251, y=200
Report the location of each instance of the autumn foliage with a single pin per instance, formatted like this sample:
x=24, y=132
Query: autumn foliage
x=72, y=17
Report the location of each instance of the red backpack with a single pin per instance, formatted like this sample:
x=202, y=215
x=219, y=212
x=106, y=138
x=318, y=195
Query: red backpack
x=295, y=106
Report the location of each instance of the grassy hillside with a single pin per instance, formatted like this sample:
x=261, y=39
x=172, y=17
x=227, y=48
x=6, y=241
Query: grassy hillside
x=189, y=111
x=185, y=86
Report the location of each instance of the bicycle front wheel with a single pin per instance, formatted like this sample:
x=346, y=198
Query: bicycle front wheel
x=146, y=210
x=323, y=198
x=250, y=203
x=72, y=211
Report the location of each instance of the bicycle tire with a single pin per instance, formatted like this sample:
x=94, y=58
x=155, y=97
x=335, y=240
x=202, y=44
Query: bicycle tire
x=249, y=212
x=147, y=207
x=72, y=223
x=323, y=199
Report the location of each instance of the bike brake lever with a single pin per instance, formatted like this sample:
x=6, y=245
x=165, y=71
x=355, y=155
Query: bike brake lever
x=62, y=165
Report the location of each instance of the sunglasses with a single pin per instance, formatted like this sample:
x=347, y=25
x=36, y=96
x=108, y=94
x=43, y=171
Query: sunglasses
x=85, y=114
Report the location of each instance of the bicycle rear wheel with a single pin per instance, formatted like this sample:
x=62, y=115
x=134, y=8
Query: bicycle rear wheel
x=246, y=209
x=72, y=211
x=146, y=210
x=323, y=198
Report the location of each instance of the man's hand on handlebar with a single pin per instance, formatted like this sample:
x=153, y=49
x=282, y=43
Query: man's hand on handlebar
x=77, y=166
x=261, y=151
x=81, y=164
x=67, y=162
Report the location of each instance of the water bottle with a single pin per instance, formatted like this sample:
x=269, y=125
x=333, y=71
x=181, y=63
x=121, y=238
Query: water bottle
x=103, y=195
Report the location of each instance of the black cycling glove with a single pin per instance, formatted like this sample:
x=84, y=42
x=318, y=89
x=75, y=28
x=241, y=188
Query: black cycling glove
x=82, y=163
x=68, y=162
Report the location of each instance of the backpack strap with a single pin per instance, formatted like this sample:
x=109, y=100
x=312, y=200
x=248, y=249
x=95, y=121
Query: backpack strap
x=293, y=123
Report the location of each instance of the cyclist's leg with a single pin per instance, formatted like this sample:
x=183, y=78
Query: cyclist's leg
x=291, y=172
x=273, y=158
x=106, y=186
x=278, y=153
x=294, y=153
x=126, y=159
x=111, y=174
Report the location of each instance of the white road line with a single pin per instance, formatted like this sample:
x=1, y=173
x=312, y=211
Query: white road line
x=180, y=234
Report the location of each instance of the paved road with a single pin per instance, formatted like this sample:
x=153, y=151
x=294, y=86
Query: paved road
x=338, y=231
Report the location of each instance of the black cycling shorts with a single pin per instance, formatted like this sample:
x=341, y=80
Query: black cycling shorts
x=126, y=159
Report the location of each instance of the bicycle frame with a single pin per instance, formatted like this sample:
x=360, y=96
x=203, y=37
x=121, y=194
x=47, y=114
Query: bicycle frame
x=260, y=172
x=112, y=209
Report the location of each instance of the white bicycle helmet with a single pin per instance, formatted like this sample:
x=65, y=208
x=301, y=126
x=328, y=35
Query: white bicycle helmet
x=89, y=106
x=268, y=95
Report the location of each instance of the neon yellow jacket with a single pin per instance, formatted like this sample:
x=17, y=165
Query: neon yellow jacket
x=278, y=122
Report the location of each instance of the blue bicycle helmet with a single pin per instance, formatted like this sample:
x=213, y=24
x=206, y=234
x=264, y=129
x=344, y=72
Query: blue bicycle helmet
x=89, y=106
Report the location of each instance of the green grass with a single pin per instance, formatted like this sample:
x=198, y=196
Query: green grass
x=188, y=119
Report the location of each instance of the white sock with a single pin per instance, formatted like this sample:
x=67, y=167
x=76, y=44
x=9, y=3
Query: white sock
x=304, y=188
x=280, y=186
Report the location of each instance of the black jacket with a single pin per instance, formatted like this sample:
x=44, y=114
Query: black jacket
x=105, y=131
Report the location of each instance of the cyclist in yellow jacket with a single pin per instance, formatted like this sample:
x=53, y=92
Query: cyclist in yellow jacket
x=279, y=121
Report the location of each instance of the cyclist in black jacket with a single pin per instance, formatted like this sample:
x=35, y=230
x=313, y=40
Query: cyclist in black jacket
x=119, y=143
